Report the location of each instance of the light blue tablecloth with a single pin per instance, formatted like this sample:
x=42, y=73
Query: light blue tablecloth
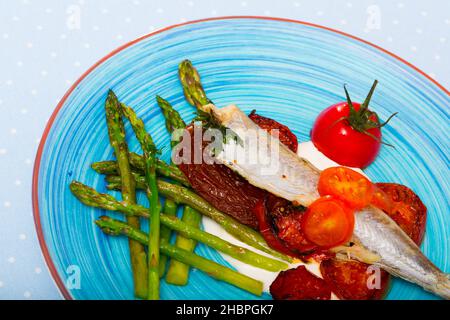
x=47, y=44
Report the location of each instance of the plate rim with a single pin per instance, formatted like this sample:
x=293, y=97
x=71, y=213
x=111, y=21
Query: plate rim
x=35, y=180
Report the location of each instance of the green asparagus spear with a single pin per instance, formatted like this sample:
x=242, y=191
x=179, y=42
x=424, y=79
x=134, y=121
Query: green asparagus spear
x=116, y=133
x=173, y=122
x=170, y=210
x=178, y=272
x=192, y=86
x=192, y=233
x=137, y=164
x=164, y=169
x=114, y=182
x=95, y=199
x=181, y=195
x=150, y=154
x=173, y=118
x=105, y=167
x=215, y=270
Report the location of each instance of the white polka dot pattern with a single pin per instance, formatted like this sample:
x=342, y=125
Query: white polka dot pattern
x=53, y=42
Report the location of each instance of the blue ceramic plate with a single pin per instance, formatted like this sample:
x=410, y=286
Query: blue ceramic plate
x=288, y=71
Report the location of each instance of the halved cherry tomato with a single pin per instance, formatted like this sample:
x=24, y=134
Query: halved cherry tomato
x=347, y=185
x=382, y=200
x=328, y=222
x=348, y=280
x=404, y=207
x=299, y=284
x=265, y=229
x=285, y=134
x=286, y=222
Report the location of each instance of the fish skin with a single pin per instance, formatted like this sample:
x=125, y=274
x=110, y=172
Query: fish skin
x=374, y=230
x=399, y=255
x=283, y=176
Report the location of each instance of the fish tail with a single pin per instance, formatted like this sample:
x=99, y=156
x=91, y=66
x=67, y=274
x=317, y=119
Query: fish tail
x=443, y=286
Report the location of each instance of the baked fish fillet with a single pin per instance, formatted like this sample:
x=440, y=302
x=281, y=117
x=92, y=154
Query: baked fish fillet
x=260, y=158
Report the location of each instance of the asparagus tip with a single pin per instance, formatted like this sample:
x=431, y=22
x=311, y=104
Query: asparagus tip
x=111, y=92
x=186, y=62
x=74, y=185
x=163, y=103
x=104, y=219
x=104, y=223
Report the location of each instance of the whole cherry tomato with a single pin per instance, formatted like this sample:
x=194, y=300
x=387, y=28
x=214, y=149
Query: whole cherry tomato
x=348, y=132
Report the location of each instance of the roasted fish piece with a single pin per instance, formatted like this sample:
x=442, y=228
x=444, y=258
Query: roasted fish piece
x=263, y=160
x=266, y=163
x=398, y=254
